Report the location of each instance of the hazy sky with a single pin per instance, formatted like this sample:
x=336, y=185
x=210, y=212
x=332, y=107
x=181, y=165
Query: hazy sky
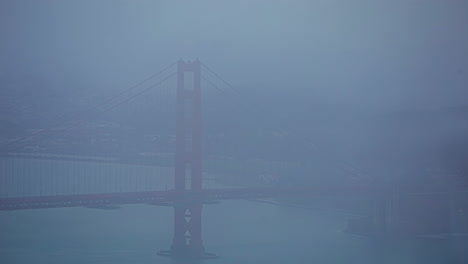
x=399, y=53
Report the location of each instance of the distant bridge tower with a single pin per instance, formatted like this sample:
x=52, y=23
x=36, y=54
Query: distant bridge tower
x=187, y=239
x=188, y=156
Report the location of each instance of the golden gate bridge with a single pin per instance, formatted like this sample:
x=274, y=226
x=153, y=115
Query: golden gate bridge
x=181, y=187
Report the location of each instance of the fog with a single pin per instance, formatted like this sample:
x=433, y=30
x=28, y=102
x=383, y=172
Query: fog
x=295, y=94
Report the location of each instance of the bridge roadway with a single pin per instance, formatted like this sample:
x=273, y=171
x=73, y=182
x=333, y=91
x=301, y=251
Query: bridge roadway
x=168, y=197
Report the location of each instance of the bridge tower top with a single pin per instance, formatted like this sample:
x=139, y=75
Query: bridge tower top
x=188, y=155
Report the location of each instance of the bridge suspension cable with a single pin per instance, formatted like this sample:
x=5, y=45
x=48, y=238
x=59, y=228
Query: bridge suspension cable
x=23, y=140
x=138, y=94
x=140, y=83
x=343, y=165
x=212, y=84
x=219, y=77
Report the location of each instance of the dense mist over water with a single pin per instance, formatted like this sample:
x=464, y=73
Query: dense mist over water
x=302, y=93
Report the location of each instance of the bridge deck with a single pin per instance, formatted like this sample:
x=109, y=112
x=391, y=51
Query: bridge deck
x=167, y=197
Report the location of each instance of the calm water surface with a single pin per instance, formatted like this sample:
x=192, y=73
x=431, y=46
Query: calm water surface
x=238, y=231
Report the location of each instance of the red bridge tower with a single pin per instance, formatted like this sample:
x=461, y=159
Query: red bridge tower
x=187, y=241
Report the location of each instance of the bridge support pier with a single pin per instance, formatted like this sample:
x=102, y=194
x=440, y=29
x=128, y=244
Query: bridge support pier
x=187, y=241
x=187, y=230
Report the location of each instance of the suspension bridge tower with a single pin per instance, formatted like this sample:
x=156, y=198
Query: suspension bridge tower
x=187, y=240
